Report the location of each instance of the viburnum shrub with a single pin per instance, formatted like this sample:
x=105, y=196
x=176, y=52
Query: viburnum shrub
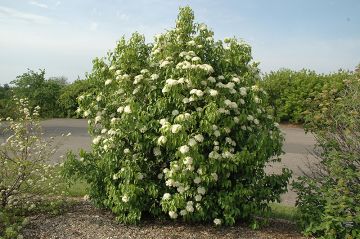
x=180, y=127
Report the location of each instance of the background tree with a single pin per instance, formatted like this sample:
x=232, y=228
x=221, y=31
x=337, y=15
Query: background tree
x=40, y=91
x=6, y=103
x=70, y=93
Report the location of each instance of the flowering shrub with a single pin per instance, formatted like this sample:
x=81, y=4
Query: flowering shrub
x=180, y=127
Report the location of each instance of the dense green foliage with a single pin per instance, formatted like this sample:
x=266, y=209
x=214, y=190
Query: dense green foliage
x=180, y=128
x=329, y=197
x=292, y=93
x=54, y=95
x=40, y=91
x=6, y=105
x=70, y=93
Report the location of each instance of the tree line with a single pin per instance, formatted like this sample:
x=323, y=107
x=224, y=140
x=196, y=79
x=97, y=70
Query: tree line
x=291, y=93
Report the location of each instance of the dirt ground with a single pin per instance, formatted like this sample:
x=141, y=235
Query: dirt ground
x=84, y=221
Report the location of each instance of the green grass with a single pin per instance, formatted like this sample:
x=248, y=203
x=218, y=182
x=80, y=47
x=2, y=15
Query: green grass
x=77, y=189
x=284, y=212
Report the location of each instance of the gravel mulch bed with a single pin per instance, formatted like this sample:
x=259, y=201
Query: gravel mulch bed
x=83, y=220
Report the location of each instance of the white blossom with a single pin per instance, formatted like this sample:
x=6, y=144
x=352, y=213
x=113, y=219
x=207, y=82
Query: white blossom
x=188, y=160
x=213, y=92
x=214, y=176
x=257, y=100
x=96, y=140
x=192, y=142
x=199, y=93
x=196, y=58
x=176, y=128
x=166, y=196
x=164, y=64
x=183, y=212
x=171, y=82
x=243, y=91
x=191, y=43
x=126, y=151
x=163, y=121
x=250, y=117
x=138, y=78
x=181, y=189
x=175, y=112
x=217, y=222
x=161, y=140
x=87, y=113
x=217, y=133
x=190, y=208
x=199, y=138
x=108, y=82
x=198, y=198
x=154, y=76
x=169, y=182
x=97, y=118
x=185, y=100
x=127, y=109
x=173, y=214
x=184, y=149
x=235, y=79
x=120, y=109
x=197, y=180
x=144, y=71
x=201, y=190
x=125, y=198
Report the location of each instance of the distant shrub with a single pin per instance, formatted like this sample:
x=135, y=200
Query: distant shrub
x=180, y=127
x=40, y=92
x=70, y=93
x=292, y=93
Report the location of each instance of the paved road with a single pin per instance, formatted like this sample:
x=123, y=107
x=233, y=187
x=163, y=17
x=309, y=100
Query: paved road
x=297, y=147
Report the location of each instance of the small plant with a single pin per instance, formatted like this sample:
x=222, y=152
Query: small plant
x=25, y=170
x=329, y=196
x=180, y=129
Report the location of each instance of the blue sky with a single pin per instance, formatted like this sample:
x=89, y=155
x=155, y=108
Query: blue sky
x=63, y=36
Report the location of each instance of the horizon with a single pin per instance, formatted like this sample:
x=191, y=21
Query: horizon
x=63, y=37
